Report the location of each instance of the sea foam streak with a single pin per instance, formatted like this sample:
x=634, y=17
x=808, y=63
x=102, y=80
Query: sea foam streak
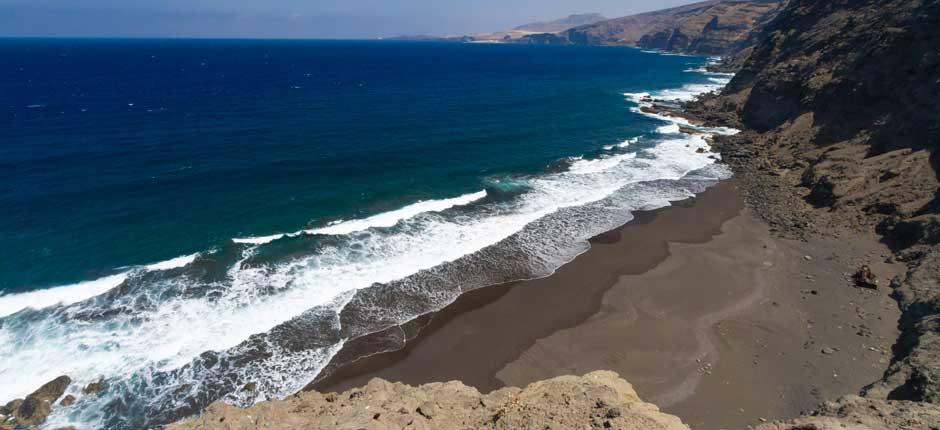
x=386, y=219
x=68, y=294
x=148, y=337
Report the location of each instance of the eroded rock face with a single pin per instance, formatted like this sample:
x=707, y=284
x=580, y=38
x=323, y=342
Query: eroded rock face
x=597, y=400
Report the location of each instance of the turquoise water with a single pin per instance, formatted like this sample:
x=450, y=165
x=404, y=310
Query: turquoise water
x=184, y=217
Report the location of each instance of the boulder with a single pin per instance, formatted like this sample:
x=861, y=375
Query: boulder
x=36, y=407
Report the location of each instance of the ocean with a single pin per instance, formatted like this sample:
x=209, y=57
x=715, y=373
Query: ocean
x=196, y=220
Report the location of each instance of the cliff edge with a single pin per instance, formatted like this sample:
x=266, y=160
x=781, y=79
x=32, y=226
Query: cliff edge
x=598, y=400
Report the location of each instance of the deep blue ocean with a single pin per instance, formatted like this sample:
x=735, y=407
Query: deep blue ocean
x=163, y=200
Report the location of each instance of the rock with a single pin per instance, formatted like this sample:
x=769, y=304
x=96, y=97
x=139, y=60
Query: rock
x=829, y=351
x=598, y=399
x=427, y=410
x=36, y=407
x=865, y=278
x=808, y=258
x=68, y=400
x=94, y=387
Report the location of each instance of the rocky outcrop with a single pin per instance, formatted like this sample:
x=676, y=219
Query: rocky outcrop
x=840, y=101
x=714, y=27
x=32, y=411
x=598, y=400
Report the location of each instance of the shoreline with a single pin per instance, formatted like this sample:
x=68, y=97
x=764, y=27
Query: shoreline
x=575, y=306
x=693, y=303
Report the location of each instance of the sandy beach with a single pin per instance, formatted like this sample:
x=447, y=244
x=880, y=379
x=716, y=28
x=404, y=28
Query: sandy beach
x=695, y=304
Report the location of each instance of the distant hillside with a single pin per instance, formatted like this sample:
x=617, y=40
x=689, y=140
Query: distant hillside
x=563, y=24
x=714, y=27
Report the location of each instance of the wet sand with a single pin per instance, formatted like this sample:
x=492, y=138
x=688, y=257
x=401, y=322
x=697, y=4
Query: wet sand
x=696, y=305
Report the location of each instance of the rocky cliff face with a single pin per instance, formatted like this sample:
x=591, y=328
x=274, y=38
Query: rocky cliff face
x=599, y=400
x=714, y=27
x=841, y=103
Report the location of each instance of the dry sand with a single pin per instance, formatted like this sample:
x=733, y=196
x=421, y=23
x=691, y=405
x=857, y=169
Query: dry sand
x=696, y=305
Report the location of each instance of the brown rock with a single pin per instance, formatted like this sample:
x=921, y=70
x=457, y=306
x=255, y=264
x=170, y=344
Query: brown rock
x=865, y=278
x=94, y=387
x=68, y=400
x=567, y=402
x=36, y=407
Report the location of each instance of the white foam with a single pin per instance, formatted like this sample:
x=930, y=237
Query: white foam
x=389, y=219
x=583, y=167
x=385, y=219
x=74, y=293
x=65, y=295
x=686, y=93
x=668, y=129
x=259, y=240
x=624, y=144
x=173, y=263
x=637, y=97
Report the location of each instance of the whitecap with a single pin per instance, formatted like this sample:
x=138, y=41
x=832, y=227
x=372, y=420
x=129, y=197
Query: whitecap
x=74, y=293
x=668, y=129
x=63, y=295
x=385, y=219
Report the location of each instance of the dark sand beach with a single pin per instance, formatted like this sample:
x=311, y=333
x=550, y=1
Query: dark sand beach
x=695, y=304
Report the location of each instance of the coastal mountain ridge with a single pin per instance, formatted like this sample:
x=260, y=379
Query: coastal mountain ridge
x=515, y=34
x=715, y=27
x=572, y=21
x=712, y=27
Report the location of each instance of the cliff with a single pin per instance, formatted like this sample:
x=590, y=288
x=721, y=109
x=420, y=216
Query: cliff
x=715, y=27
x=598, y=400
x=839, y=100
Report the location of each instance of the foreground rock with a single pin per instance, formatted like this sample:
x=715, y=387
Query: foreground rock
x=598, y=400
x=35, y=408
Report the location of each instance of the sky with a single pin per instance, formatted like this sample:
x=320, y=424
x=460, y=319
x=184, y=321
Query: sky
x=340, y=19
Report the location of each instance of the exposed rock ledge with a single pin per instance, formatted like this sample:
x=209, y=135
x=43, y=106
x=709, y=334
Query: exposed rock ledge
x=597, y=400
